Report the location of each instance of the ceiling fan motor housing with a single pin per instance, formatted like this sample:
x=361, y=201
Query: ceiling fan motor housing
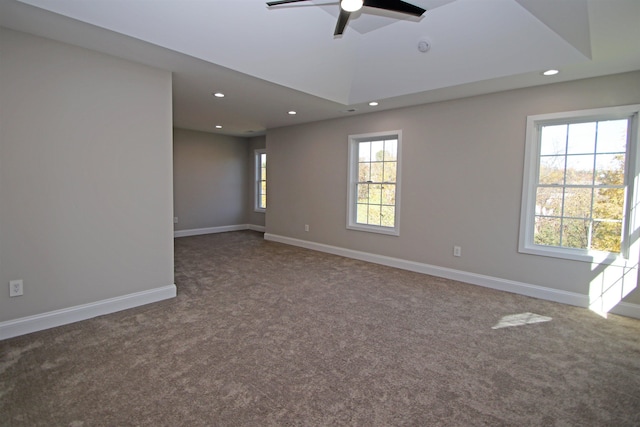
x=348, y=6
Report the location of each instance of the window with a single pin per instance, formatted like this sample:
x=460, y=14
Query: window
x=578, y=192
x=261, y=180
x=374, y=182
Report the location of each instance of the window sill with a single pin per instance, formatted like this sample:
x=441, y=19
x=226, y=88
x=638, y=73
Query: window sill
x=374, y=229
x=591, y=257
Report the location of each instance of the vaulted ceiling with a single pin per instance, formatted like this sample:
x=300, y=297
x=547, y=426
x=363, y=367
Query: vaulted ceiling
x=268, y=61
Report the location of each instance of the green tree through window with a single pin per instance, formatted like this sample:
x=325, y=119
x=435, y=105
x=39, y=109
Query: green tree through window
x=580, y=189
x=377, y=167
x=374, y=182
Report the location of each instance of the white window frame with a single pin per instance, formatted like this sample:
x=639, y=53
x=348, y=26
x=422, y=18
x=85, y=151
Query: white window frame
x=629, y=249
x=352, y=181
x=258, y=179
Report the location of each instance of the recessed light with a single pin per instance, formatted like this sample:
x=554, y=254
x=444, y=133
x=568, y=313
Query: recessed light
x=292, y=113
x=373, y=103
x=218, y=126
x=550, y=72
x=218, y=94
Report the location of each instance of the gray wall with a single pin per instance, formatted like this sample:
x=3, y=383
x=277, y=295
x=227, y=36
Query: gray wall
x=461, y=180
x=212, y=180
x=85, y=176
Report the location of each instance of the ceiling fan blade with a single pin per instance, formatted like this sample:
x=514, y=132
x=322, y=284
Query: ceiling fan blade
x=342, y=22
x=396, y=6
x=279, y=2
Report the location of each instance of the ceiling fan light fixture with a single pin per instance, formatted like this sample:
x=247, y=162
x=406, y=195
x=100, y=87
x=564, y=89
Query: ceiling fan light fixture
x=351, y=5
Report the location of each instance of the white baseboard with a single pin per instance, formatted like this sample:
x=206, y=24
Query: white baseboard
x=222, y=229
x=627, y=309
x=51, y=319
x=535, y=291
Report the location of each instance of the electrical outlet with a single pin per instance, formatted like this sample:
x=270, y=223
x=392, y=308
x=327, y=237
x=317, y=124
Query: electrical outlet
x=457, y=251
x=306, y=227
x=15, y=288
x=175, y=219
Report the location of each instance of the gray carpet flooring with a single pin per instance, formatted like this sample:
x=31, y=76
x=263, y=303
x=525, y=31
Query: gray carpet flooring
x=265, y=334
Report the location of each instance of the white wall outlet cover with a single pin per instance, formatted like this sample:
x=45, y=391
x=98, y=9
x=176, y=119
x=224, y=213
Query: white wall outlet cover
x=15, y=288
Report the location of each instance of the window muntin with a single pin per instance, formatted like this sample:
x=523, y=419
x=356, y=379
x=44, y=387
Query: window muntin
x=261, y=180
x=577, y=187
x=374, y=182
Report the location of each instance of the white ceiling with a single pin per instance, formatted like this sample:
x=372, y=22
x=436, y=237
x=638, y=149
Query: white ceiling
x=271, y=60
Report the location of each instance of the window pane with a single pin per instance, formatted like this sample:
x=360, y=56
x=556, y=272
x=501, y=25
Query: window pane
x=363, y=193
x=391, y=150
x=364, y=172
x=362, y=212
x=582, y=138
x=553, y=140
x=377, y=150
x=375, y=194
x=374, y=215
x=376, y=171
x=609, y=204
x=575, y=233
x=263, y=187
x=610, y=169
x=580, y=170
x=577, y=202
x=549, y=201
x=552, y=170
x=547, y=231
x=364, y=151
x=388, y=194
x=612, y=136
x=607, y=236
x=390, y=169
x=388, y=216
x=263, y=201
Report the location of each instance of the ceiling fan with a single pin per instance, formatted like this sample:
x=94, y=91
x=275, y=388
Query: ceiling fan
x=349, y=6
